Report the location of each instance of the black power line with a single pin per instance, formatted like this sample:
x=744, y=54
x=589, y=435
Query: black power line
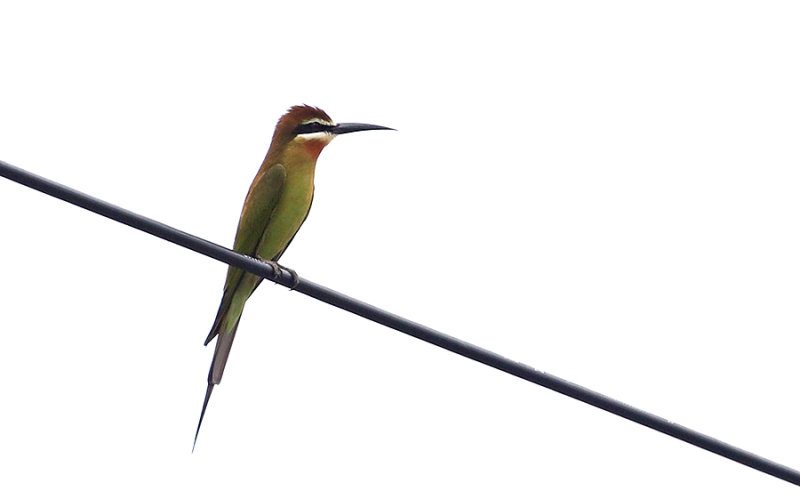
x=399, y=323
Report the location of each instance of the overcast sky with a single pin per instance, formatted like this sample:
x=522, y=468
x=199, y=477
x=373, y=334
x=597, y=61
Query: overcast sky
x=607, y=191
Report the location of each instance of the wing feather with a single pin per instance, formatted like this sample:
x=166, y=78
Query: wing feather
x=258, y=208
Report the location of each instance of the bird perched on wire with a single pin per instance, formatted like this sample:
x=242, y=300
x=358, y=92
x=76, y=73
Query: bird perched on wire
x=274, y=209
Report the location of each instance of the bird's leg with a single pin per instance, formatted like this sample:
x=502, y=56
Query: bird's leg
x=277, y=268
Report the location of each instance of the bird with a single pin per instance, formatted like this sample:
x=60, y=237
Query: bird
x=276, y=206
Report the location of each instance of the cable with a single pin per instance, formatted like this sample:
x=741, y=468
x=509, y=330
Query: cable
x=398, y=323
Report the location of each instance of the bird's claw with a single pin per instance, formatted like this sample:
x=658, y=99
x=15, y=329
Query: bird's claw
x=295, y=278
x=278, y=270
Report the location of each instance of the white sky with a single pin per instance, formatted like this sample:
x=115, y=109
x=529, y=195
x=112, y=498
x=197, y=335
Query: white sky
x=607, y=191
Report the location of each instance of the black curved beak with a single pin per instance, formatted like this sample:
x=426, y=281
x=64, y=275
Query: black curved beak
x=355, y=127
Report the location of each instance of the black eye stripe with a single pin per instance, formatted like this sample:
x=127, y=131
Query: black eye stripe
x=311, y=128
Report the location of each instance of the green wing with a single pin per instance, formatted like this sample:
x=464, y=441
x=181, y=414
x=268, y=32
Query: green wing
x=259, y=205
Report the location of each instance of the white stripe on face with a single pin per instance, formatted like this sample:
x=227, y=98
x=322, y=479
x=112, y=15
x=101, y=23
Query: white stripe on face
x=325, y=136
x=317, y=120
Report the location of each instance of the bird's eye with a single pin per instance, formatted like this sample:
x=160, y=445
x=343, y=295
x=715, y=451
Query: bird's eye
x=310, y=128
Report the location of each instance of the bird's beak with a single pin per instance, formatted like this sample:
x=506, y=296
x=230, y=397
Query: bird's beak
x=355, y=127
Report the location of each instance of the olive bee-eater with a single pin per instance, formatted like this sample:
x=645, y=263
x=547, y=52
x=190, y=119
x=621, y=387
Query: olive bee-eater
x=276, y=206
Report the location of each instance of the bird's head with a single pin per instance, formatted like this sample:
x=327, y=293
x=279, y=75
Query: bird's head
x=310, y=129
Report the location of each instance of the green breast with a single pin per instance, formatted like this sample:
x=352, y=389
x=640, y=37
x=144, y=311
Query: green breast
x=289, y=214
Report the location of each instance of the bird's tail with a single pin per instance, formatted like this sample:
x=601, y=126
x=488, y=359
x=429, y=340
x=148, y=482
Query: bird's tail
x=221, y=352
x=202, y=413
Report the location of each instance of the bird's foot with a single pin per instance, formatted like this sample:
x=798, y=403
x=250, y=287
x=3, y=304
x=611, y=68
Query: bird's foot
x=295, y=278
x=278, y=269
